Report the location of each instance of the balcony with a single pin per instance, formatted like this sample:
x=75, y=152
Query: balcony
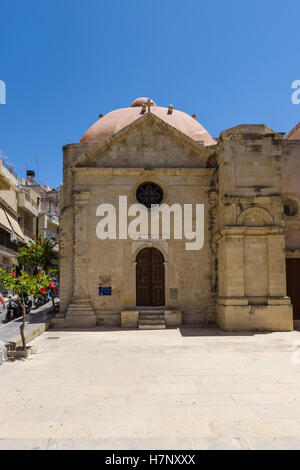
x=53, y=219
x=28, y=235
x=8, y=247
x=26, y=204
x=8, y=174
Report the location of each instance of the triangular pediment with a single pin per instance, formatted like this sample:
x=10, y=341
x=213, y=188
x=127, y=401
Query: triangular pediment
x=148, y=141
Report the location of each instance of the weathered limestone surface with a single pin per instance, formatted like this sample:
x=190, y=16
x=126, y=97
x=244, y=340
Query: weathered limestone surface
x=173, y=318
x=251, y=231
x=255, y=317
x=115, y=260
x=238, y=279
x=129, y=319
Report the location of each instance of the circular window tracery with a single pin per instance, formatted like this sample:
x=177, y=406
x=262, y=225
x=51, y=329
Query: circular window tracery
x=290, y=208
x=149, y=194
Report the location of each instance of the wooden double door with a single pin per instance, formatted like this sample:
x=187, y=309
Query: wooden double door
x=150, y=278
x=293, y=284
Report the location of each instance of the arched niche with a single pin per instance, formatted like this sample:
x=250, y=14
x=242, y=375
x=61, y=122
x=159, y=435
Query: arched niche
x=255, y=217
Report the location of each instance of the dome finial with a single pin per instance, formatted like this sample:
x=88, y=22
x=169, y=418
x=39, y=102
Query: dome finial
x=139, y=102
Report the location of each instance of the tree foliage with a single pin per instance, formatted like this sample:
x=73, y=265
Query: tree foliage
x=25, y=284
x=38, y=254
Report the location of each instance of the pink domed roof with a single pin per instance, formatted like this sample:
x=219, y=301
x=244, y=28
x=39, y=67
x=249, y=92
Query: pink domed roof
x=116, y=120
x=294, y=134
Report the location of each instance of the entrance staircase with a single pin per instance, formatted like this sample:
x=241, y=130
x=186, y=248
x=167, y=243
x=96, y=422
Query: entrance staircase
x=152, y=319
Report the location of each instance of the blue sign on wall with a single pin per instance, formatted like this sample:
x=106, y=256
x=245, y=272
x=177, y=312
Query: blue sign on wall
x=105, y=291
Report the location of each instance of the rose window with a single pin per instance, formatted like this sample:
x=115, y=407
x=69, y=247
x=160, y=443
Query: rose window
x=149, y=194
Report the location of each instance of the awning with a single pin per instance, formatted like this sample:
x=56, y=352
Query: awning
x=4, y=221
x=15, y=227
x=14, y=261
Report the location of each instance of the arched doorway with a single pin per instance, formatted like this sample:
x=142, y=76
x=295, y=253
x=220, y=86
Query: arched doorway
x=293, y=284
x=150, y=278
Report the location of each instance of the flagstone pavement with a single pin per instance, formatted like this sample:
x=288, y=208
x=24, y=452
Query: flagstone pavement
x=166, y=389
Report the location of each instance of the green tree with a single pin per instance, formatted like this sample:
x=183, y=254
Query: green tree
x=38, y=255
x=24, y=284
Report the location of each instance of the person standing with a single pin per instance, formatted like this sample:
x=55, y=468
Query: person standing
x=2, y=301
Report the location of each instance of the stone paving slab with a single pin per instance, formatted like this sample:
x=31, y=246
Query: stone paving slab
x=166, y=389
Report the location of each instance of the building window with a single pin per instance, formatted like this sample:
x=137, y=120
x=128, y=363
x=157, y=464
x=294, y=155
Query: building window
x=149, y=193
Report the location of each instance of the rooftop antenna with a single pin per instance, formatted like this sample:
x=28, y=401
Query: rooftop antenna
x=26, y=169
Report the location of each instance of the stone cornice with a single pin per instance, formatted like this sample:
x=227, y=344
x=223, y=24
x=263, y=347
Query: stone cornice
x=251, y=199
x=236, y=231
x=140, y=171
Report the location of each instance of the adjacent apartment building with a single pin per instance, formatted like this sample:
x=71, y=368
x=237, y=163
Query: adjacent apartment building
x=27, y=210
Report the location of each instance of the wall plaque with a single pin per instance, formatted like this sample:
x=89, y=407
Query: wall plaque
x=173, y=294
x=105, y=291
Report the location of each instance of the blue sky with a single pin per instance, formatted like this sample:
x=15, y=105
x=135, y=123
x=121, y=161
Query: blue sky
x=66, y=61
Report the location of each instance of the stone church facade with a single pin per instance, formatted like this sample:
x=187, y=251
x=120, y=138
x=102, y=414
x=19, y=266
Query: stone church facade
x=247, y=180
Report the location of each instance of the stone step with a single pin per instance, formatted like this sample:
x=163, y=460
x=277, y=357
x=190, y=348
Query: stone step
x=145, y=316
x=151, y=312
x=151, y=327
x=153, y=321
x=81, y=305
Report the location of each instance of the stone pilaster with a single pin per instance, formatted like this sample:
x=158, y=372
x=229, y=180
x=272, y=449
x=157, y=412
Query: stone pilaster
x=239, y=310
x=80, y=311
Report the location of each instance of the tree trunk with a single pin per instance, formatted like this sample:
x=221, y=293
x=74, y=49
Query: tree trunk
x=22, y=327
x=53, y=303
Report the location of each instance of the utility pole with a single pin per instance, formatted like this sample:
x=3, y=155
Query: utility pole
x=37, y=219
x=37, y=166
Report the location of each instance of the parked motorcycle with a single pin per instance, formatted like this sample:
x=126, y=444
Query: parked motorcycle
x=14, y=309
x=40, y=300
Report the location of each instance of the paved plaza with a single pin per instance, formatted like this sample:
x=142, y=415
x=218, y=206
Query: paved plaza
x=165, y=389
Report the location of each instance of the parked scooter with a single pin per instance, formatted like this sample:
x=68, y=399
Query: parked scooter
x=14, y=309
x=40, y=300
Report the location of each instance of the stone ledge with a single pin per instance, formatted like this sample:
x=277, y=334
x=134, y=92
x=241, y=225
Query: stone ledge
x=130, y=319
x=255, y=317
x=173, y=317
x=232, y=301
x=279, y=301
